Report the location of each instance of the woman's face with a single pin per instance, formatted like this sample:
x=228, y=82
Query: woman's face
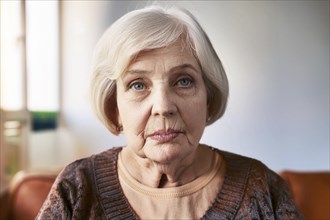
x=162, y=104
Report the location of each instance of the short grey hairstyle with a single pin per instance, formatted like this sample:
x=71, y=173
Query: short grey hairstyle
x=145, y=29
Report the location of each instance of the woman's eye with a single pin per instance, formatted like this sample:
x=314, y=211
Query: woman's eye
x=184, y=82
x=137, y=86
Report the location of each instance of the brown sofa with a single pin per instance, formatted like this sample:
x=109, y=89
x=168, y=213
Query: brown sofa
x=25, y=196
x=28, y=191
x=311, y=192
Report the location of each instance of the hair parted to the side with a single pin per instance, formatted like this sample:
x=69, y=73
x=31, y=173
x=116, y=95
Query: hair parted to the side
x=146, y=29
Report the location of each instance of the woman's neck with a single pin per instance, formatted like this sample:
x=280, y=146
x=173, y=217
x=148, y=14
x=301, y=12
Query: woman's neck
x=174, y=173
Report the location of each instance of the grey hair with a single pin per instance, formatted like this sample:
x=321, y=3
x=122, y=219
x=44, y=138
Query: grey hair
x=146, y=29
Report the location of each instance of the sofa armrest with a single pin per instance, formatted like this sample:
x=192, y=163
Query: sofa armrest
x=27, y=193
x=311, y=192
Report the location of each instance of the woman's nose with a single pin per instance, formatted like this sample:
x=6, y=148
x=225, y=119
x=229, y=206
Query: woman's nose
x=163, y=102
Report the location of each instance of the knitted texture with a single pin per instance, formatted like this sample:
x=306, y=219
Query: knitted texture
x=89, y=189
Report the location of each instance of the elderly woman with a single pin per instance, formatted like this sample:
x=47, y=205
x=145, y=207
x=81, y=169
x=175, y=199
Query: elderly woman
x=158, y=80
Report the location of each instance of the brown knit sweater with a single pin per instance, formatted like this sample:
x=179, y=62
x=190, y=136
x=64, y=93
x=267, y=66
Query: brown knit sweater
x=89, y=189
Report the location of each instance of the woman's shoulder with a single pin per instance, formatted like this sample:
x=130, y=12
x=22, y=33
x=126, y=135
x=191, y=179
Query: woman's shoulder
x=84, y=168
x=250, y=183
x=255, y=168
x=245, y=164
x=251, y=174
x=74, y=192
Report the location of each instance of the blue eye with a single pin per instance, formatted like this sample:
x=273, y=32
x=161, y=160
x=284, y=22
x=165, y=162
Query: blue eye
x=137, y=86
x=184, y=82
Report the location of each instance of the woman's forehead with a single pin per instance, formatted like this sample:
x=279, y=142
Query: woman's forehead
x=175, y=54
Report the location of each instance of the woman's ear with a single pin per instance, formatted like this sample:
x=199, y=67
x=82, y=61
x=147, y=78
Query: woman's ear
x=119, y=122
x=207, y=110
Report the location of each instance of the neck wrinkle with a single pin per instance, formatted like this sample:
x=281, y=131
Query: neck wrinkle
x=174, y=174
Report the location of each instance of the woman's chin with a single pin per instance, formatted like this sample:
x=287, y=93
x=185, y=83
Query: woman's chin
x=165, y=153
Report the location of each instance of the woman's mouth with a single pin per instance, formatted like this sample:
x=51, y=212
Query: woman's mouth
x=164, y=136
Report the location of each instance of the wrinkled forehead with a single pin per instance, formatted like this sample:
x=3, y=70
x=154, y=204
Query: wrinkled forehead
x=178, y=53
x=177, y=47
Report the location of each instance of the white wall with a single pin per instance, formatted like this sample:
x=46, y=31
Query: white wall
x=276, y=54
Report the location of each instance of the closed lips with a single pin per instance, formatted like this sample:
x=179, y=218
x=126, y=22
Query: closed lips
x=164, y=136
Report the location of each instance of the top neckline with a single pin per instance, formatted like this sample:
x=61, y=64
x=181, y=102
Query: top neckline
x=171, y=192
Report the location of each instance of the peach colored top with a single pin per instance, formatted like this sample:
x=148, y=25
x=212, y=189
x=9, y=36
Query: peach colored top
x=189, y=201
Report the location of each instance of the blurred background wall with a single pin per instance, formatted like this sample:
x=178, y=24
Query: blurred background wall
x=276, y=55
